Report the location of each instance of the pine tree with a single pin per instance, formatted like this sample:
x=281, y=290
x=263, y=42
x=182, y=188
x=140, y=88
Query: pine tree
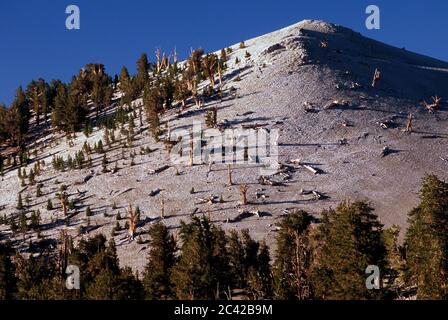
x=33, y=94
x=99, y=86
x=33, y=275
x=293, y=258
x=142, y=77
x=427, y=241
x=223, y=56
x=22, y=223
x=153, y=105
x=202, y=271
x=393, y=276
x=19, y=202
x=70, y=107
x=49, y=205
x=181, y=92
x=7, y=274
x=260, y=276
x=126, y=86
x=45, y=98
x=161, y=259
x=210, y=66
x=104, y=163
x=194, y=73
x=35, y=220
x=249, y=264
x=103, y=282
x=349, y=239
x=18, y=119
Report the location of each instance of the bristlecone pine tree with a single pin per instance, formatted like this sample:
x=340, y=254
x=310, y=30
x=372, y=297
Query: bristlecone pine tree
x=427, y=241
x=349, y=239
x=17, y=120
x=127, y=87
x=142, y=77
x=211, y=118
x=70, y=107
x=7, y=273
x=202, y=270
x=161, y=259
x=292, y=267
x=153, y=103
x=249, y=264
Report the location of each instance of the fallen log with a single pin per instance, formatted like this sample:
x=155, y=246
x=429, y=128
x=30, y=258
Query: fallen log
x=158, y=170
x=243, y=215
x=311, y=169
x=209, y=200
x=317, y=195
x=305, y=166
x=335, y=103
x=194, y=212
x=154, y=192
x=268, y=182
x=305, y=192
x=23, y=189
x=123, y=192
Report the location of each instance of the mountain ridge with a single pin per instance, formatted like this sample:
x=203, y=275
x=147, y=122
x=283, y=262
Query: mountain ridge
x=313, y=82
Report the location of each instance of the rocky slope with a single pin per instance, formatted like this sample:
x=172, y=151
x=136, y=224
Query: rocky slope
x=288, y=83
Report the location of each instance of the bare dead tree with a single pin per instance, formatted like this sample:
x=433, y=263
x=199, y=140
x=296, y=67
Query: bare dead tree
x=435, y=105
x=323, y=44
x=376, y=77
x=133, y=220
x=220, y=74
x=243, y=190
x=175, y=56
x=229, y=174
x=409, y=126
x=162, y=210
x=158, y=63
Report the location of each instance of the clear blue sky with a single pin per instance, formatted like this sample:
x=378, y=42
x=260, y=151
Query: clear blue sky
x=35, y=43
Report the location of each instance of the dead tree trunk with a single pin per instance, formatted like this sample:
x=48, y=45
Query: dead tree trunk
x=162, y=211
x=243, y=190
x=133, y=220
x=409, y=126
x=229, y=174
x=376, y=77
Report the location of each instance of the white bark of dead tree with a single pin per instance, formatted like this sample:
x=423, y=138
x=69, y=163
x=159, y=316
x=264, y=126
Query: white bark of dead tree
x=133, y=220
x=376, y=77
x=435, y=105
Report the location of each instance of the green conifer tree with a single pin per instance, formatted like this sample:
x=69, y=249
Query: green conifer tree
x=161, y=259
x=203, y=268
x=293, y=258
x=427, y=241
x=349, y=239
